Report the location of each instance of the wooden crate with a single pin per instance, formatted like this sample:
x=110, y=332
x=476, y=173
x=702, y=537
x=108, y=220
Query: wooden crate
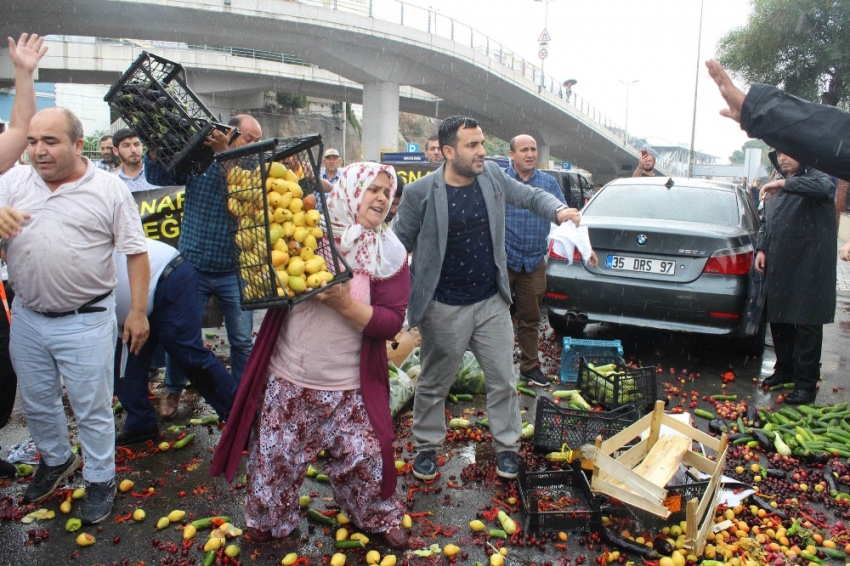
x=624, y=478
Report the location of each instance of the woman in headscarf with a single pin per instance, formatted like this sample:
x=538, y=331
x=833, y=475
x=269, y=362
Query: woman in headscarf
x=317, y=379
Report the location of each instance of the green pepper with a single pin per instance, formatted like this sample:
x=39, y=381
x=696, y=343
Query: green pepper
x=348, y=544
x=73, y=524
x=184, y=441
x=704, y=414
x=209, y=559
x=207, y=522
x=319, y=518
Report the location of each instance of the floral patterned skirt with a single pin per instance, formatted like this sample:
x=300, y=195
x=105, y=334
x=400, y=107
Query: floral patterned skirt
x=294, y=424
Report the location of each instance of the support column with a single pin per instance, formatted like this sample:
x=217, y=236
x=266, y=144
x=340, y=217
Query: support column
x=542, y=155
x=380, y=119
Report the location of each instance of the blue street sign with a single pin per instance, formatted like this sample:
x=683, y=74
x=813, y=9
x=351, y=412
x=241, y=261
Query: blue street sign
x=412, y=148
x=566, y=165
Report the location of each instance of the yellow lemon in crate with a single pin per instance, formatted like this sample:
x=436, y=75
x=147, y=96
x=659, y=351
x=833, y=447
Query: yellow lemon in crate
x=234, y=206
x=300, y=234
x=281, y=246
x=298, y=219
x=279, y=258
x=313, y=265
x=285, y=200
x=278, y=216
x=234, y=174
x=315, y=281
x=276, y=170
x=290, y=176
x=296, y=205
x=275, y=232
x=296, y=266
x=313, y=217
x=297, y=284
x=326, y=275
x=289, y=229
x=310, y=242
x=316, y=232
x=306, y=254
x=294, y=188
x=274, y=199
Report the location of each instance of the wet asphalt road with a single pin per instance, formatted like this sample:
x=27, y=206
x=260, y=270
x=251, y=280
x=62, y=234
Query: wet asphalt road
x=176, y=472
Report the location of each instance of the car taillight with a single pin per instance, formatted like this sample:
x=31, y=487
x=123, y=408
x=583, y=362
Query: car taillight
x=576, y=253
x=552, y=251
x=730, y=261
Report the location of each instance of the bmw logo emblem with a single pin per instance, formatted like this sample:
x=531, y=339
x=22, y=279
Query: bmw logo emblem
x=641, y=239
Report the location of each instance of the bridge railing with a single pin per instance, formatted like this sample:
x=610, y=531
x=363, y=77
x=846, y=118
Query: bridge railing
x=431, y=21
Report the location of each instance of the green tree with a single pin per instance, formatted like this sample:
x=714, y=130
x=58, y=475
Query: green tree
x=737, y=157
x=291, y=102
x=801, y=46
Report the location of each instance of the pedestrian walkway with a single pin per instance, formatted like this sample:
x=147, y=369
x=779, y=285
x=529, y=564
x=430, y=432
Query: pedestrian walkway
x=842, y=279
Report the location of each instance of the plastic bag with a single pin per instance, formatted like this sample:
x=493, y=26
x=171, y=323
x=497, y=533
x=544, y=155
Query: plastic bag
x=401, y=389
x=470, y=376
x=411, y=360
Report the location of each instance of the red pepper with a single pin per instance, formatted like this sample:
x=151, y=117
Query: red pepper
x=122, y=518
x=453, y=485
x=143, y=494
x=301, y=560
x=422, y=514
x=218, y=521
x=123, y=469
x=328, y=512
x=410, y=492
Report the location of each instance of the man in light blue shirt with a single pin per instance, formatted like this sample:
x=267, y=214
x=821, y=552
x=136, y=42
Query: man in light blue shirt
x=128, y=146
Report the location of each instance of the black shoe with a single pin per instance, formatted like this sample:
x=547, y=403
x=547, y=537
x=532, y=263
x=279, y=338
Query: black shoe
x=47, y=478
x=535, y=377
x=98, y=502
x=425, y=465
x=777, y=378
x=7, y=470
x=801, y=397
x=133, y=436
x=153, y=373
x=506, y=464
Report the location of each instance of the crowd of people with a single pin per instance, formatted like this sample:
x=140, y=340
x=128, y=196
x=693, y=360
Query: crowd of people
x=450, y=257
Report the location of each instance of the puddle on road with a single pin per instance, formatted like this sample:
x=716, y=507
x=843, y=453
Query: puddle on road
x=476, y=452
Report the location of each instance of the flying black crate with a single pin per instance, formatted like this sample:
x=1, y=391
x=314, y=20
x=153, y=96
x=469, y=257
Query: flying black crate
x=152, y=97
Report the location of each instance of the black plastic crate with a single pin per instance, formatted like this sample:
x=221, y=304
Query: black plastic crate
x=677, y=499
x=537, y=490
x=152, y=97
x=555, y=426
x=279, y=235
x=637, y=386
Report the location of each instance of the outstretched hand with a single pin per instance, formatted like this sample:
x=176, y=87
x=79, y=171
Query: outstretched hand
x=27, y=52
x=733, y=96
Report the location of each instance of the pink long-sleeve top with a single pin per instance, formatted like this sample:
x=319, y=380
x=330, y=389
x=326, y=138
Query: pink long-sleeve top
x=389, y=302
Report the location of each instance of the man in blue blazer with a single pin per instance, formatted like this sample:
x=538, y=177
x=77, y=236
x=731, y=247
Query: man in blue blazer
x=453, y=222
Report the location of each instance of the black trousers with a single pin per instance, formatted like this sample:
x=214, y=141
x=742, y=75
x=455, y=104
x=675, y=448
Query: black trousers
x=8, y=378
x=797, y=348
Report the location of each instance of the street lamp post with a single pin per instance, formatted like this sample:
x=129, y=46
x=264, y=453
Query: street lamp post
x=544, y=44
x=626, y=129
x=696, y=90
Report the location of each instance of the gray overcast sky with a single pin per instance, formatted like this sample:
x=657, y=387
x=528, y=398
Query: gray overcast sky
x=600, y=42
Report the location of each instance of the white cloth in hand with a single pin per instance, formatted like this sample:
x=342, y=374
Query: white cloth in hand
x=566, y=238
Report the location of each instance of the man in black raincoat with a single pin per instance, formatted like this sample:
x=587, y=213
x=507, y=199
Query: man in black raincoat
x=816, y=134
x=797, y=243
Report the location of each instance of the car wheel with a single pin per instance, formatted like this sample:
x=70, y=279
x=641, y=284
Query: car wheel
x=562, y=327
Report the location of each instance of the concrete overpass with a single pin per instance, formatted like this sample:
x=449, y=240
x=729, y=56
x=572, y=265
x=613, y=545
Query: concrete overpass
x=223, y=81
x=470, y=74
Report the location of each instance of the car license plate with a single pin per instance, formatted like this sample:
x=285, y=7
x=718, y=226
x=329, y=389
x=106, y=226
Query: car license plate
x=659, y=266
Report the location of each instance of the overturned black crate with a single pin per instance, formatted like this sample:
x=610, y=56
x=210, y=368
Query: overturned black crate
x=624, y=386
x=556, y=501
x=152, y=97
x=556, y=426
x=280, y=238
x=677, y=499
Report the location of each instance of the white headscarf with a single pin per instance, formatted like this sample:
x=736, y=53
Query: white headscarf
x=376, y=252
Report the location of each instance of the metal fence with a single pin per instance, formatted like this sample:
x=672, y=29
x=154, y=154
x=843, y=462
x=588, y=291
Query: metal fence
x=431, y=21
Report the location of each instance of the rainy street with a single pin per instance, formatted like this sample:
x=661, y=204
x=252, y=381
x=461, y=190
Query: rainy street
x=179, y=480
